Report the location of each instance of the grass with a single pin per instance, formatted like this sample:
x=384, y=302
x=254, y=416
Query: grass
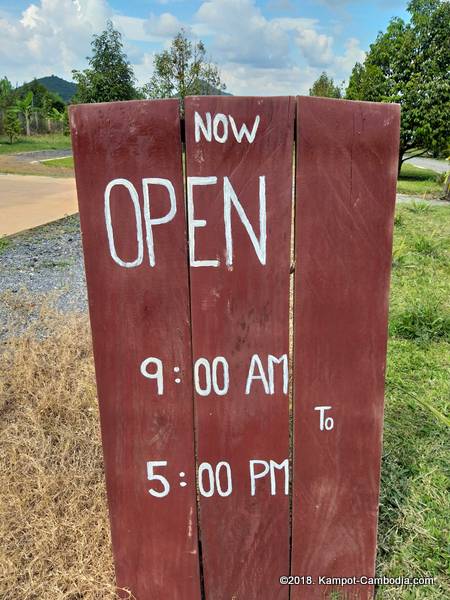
x=59, y=162
x=49, y=141
x=54, y=533
x=418, y=182
x=4, y=243
x=415, y=499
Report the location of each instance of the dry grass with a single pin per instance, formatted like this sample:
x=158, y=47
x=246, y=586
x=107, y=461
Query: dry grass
x=54, y=531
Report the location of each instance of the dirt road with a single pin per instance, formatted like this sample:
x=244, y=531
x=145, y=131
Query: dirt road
x=27, y=201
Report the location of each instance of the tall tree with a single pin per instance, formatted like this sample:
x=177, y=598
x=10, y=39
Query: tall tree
x=184, y=70
x=24, y=107
x=11, y=125
x=6, y=98
x=110, y=76
x=409, y=64
x=324, y=86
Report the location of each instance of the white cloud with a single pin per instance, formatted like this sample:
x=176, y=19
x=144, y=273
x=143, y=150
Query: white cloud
x=255, y=53
x=250, y=81
x=242, y=34
x=258, y=55
x=156, y=28
x=353, y=53
x=51, y=37
x=316, y=47
x=163, y=26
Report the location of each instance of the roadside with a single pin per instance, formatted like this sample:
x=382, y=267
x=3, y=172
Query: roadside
x=28, y=164
x=44, y=260
x=422, y=162
x=27, y=202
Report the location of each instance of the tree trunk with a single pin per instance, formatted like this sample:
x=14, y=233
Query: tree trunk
x=400, y=161
x=27, y=124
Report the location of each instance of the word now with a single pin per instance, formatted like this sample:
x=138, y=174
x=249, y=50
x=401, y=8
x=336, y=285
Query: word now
x=230, y=199
x=218, y=480
x=218, y=128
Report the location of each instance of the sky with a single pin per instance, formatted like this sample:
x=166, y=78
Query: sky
x=262, y=47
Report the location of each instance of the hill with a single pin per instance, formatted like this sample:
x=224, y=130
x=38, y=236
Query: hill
x=65, y=89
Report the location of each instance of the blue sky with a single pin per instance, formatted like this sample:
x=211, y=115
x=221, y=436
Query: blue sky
x=261, y=46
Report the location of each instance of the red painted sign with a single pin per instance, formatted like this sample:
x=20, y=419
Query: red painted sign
x=224, y=480
x=346, y=182
x=239, y=165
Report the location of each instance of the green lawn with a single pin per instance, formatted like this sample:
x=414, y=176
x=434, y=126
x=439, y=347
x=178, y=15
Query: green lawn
x=54, y=141
x=418, y=182
x=59, y=162
x=415, y=494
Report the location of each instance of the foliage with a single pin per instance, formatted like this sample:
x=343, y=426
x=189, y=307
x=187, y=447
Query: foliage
x=11, y=125
x=42, y=97
x=61, y=117
x=324, y=86
x=24, y=106
x=6, y=93
x=33, y=102
x=409, y=64
x=184, y=70
x=110, y=76
x=6, y=99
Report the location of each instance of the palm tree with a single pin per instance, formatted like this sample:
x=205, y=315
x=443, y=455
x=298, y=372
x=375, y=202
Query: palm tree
x=25, y=107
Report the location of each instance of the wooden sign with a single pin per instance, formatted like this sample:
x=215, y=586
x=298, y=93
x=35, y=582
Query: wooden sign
x=241, y=410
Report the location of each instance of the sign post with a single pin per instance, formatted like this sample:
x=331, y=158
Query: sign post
x=239, y=458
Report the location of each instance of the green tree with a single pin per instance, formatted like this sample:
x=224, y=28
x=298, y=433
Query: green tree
x=6, y=97
x=409, y=64
x=110, y=76
x=11, y=125
x=60, y=117
x=324, y=86
x=184, y=70
x=24, y=107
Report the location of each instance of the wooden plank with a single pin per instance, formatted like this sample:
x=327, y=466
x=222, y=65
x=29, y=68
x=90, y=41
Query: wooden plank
x=240, y=308
x=140, y=311
x=346, y=180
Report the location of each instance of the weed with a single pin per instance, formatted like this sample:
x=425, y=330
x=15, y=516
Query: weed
x=398, y=220
x=426, y=245
x=419, y=207
x=4, y=243
x=423, y=322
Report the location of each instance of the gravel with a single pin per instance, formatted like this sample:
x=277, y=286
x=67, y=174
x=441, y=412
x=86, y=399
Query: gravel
x=35, y=155
x=47, y=260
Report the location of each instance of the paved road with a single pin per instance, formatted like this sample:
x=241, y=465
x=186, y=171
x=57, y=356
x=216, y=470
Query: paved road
x=440, y=166
x=28, y=200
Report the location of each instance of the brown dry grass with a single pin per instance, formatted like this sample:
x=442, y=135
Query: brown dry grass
x=54, y=531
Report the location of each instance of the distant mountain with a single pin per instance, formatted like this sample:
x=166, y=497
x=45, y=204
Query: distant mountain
x=65, y=89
